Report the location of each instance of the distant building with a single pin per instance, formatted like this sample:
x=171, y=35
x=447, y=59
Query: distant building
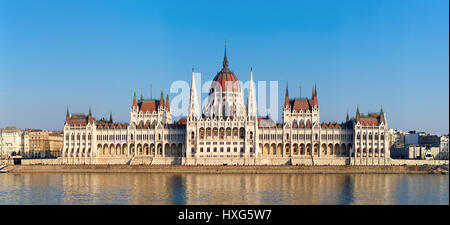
x=45, y=144
x=13, y=141
x=417, y=145
x=397, y=137
x=415, y=152
x=444, y=147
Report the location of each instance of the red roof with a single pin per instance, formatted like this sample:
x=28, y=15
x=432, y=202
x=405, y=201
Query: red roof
x=77, y=120
x=225, y=79
x=368, y=121
x=148, y=106
x=181, y=121
x=302, y=104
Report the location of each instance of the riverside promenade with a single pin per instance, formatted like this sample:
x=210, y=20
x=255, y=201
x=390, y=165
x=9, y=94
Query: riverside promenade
x=430, y=169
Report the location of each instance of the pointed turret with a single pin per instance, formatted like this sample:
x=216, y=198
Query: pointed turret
x=142, y=97
x=382, y=114
x=315, y=95
x=357, y=113
x=286, y=98
x=347, y=118
x=134, y=99
x=167, y=102
x=315, y=89
x=251, y=101
x=90, y=112
x=67, y=112
x=110, y=117
x=193, y=100
x=161, y=100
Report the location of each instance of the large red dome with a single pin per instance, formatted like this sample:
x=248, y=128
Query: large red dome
x=225, y=78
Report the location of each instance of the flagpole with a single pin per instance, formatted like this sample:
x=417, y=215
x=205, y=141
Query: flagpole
x=300, y=86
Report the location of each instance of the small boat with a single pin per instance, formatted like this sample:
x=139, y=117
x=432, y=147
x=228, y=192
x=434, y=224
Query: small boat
x=3, y=171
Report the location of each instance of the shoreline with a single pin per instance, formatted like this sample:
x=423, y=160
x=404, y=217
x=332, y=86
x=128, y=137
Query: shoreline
x=227, y=169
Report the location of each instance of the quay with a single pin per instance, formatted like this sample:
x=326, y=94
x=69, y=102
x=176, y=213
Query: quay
x=424, y=169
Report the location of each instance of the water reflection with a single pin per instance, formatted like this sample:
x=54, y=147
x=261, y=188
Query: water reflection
x=258, y=189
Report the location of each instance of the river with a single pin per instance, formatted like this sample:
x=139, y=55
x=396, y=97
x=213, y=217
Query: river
x=254, y=189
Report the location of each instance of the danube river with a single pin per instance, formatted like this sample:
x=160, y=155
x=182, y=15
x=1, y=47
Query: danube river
x=158, y=188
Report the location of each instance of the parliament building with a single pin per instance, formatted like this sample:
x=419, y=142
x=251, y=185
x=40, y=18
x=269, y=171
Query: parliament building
x=226, y=131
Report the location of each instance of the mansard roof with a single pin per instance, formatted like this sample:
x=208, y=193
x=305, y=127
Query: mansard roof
x=148, y=105
x=372, y=119
x=78, y=120
x=303, y=104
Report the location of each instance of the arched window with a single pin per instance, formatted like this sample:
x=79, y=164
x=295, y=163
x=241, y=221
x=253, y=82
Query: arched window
x=192, y=135
x=202, y=133
x=242, y=133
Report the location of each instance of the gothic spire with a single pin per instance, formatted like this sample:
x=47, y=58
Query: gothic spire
x=357, y=112
x=90, y=112
x=225, y=59
x=161, y=99
x=167, y=101
x=251, y=101
x=134, y=99
x=67, y=112
x=110, y=117
x=286, y=98
x=193, y=102
x=315, y=89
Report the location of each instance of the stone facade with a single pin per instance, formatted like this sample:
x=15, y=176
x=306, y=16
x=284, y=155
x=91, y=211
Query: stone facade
x=44, y=144
x=13, y=141
x=227, y=132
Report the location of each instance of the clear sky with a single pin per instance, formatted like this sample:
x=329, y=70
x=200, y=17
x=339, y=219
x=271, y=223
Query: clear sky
x=55, y=54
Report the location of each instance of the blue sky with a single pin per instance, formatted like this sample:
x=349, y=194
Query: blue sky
x=55, y=54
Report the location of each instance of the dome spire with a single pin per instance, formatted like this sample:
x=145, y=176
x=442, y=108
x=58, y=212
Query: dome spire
x=225, y=59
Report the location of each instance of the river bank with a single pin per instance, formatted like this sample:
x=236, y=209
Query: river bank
x=229, y=169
